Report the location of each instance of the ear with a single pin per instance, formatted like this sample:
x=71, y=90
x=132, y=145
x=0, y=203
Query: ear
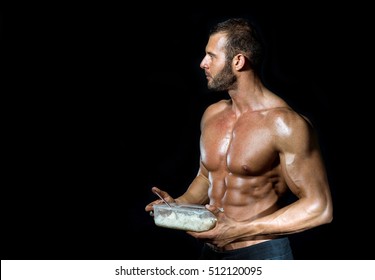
x=239, y=61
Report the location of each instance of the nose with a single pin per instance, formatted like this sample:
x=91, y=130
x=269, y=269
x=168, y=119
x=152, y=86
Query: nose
x=203, y=63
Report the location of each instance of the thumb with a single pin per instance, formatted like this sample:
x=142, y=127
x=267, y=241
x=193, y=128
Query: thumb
x=214, y=209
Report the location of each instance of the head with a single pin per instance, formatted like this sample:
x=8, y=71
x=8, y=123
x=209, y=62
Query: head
x=228, y=39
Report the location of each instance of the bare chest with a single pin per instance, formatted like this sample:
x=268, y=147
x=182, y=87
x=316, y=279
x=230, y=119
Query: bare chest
x=242, y=147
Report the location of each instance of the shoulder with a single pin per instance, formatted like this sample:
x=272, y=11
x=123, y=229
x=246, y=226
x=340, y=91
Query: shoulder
x=216, y=108
x=286, y=117
x=289, y=127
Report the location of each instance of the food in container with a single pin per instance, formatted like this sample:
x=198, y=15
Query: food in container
x=189, y=217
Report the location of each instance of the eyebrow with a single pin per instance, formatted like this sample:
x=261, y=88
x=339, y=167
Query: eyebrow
x=211, y=53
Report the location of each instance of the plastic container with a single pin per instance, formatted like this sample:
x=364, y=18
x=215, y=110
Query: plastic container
x=189, y=217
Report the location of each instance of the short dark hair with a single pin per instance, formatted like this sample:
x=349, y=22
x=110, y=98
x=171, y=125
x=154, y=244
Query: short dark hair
x=242, y=37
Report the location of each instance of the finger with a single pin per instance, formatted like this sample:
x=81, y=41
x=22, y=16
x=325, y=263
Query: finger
x=154, y=188
x=219, y=210
x=215, y=210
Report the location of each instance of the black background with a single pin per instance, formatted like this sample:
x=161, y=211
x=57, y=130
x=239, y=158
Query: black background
x=105, y=102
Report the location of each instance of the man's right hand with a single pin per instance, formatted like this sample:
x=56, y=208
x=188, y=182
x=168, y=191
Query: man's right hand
x=149, y=207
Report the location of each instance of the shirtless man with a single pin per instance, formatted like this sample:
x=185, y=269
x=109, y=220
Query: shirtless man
x=255, y=150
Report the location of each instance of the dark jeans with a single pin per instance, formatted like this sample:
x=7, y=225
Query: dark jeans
x=276, y=249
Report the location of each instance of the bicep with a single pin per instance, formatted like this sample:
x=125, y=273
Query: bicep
x=302, y=164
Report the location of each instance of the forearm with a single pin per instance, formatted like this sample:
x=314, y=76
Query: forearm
x=197, y=192
x=297, y=217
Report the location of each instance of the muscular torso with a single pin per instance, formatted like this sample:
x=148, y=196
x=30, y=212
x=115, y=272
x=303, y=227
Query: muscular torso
x=243, y=163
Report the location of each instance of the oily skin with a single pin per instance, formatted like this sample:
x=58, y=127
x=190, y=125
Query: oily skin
x=254, y=148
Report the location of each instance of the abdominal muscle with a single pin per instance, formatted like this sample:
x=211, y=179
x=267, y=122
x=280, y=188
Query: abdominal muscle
x=245, y=199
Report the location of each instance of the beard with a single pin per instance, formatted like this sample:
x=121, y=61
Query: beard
x=224, y=80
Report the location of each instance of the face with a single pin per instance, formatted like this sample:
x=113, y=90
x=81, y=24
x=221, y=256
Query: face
x=217, y=69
